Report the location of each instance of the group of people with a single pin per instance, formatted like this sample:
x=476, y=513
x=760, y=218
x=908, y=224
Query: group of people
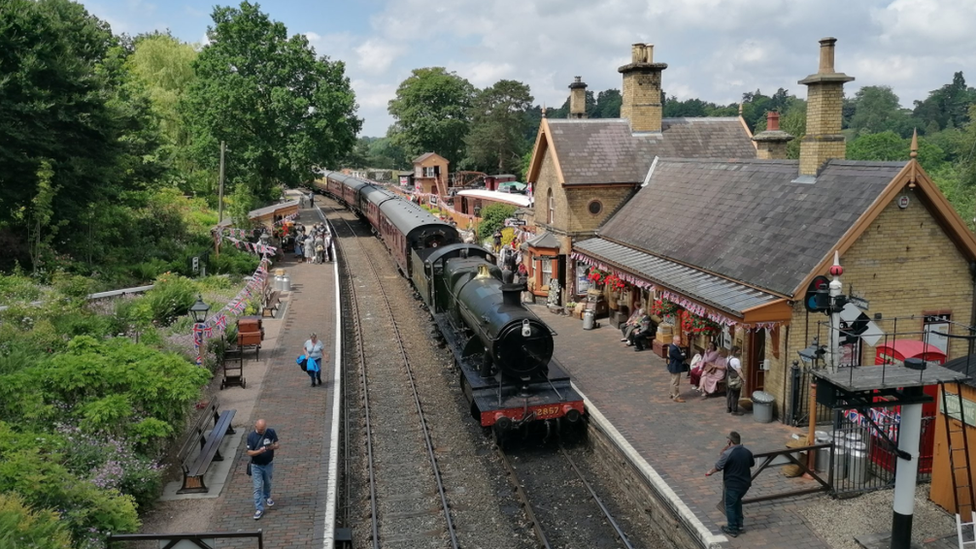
x=313, y=245
x=709, y=370
x=637, y=329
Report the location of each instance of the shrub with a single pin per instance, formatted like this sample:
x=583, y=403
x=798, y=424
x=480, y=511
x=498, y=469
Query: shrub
x=171, y=296
x=493, y=217
x=21, y=526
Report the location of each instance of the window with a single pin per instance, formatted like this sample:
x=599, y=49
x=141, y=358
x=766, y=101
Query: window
x=552, y=207
x=582, y=280
x=430, y=171
x=595, y=207
x=546, y=271
x=934, y=325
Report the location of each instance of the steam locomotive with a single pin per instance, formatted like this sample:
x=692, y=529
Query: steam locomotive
x=503, y=350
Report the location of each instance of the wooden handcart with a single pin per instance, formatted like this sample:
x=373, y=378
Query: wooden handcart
x=233, y=368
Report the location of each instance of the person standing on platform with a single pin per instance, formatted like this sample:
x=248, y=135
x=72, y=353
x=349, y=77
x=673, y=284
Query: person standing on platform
x=736, y=463
x=313, y=351
x=733, y=382
x=309, y=247
x=676, y=359
x=261, y=444
x=496, y=240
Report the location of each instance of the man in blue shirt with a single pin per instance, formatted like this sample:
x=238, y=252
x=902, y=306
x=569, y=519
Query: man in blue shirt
x=736, y=463
x=261, y=444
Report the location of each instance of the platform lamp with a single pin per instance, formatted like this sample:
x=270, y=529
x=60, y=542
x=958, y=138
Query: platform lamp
x=199, y=312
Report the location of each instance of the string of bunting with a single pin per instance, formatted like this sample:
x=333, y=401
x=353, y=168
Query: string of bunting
x=216, y=324
x=682, y=302
x=626, y=277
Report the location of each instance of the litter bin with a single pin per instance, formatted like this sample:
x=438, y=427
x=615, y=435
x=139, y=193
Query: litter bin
x=762, y=407
x=588, y=319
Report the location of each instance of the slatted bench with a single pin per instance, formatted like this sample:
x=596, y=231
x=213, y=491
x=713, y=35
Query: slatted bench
x=271, y=304
x=194, y=468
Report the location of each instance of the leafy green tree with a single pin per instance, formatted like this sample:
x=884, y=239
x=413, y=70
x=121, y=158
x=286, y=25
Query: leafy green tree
x=431, y=114
x=493, y=217
x=497, y=138
x=56, y=105
x=281, y=110
x=608, y=104
x=876, y=109
x=889, y=146
x=947, y=106
x=384, y=154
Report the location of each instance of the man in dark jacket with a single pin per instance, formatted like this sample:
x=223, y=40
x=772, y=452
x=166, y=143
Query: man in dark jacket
x=735, y=462
x=676, y=359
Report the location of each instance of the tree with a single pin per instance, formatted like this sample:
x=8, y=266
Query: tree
x=281, y=110
x=889, y=146
x=608, y=104
x=54, y=103
x=876, y=109
x=430, y=113
x=497, y=136
x=946, y=106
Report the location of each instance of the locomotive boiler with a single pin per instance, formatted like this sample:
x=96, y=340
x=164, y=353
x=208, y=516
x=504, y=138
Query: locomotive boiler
x=513, y=341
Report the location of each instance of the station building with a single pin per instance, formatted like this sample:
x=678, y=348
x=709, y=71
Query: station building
x=731, y=243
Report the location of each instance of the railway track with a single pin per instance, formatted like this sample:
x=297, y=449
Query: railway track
x=554, y=497
x=408, y=503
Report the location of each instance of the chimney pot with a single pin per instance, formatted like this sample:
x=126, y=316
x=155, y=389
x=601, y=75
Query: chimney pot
x=577, y=79
x=637, y=53
x=772, y=121
x=827, y=55
x=648, y=53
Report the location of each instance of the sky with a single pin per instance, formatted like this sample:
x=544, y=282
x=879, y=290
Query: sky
x=716, y=50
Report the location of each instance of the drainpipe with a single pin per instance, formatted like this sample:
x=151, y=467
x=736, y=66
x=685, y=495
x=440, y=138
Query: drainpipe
x=972, y=312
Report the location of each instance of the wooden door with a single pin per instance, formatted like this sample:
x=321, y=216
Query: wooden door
x=755, y=376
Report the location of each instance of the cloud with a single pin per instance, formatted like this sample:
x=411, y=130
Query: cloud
x=375, y=56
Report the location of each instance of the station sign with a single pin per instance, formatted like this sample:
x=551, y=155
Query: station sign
x=510, y=222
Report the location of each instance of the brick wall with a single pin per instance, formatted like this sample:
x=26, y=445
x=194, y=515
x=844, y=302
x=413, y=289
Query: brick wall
x=641, y=104
x=825, y=103
x=579, y=199
x=904, y=264
x=549, y=180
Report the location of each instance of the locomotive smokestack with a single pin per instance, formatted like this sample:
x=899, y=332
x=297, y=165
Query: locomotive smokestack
x=512, y=294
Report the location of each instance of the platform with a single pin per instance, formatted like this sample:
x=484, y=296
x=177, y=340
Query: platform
x=676, y=443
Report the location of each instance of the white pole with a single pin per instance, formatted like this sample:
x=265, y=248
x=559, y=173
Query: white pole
x=906, y=473
x=836, y=287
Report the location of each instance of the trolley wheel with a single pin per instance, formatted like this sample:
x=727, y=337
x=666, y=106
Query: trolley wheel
x=243, y=384
x=222, y=385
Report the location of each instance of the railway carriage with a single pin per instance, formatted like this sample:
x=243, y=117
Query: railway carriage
x=370, y=199
x=404, y=227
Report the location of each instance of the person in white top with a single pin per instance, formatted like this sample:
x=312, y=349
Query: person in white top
x=314, y=352
x=733, y=382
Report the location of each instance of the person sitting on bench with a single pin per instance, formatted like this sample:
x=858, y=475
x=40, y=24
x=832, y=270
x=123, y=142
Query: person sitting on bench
x=632, y=323
x=638, y=337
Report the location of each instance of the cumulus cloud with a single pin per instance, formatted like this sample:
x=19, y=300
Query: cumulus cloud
x=715, y=49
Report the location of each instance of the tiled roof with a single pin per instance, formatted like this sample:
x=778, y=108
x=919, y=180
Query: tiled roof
x=424, y=156
x=711, y=290
x=545, y=239
x=594, y=151
x=747, y=220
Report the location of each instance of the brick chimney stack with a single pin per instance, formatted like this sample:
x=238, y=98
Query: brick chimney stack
x=825, y=97
x=577, y=98
x=771, y=143
x=642, y=90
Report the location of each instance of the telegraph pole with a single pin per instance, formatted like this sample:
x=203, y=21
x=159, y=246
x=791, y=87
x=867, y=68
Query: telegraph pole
x=220, y=198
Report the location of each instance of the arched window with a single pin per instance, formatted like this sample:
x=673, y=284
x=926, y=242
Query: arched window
x=551, y=202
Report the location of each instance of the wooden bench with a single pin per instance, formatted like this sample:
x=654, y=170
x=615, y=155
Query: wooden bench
x=271, y=304
x=194, y=468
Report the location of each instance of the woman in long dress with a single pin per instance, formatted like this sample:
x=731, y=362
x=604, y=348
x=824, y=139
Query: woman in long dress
x=713, y=370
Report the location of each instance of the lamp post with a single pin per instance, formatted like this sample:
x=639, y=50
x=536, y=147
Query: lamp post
x=199, y=312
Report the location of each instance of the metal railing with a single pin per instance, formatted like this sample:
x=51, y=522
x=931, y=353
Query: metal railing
x=202, y=540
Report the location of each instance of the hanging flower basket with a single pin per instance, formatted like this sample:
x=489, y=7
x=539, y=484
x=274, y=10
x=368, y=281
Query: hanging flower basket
x=699, y=325
x=663, y=308
x=614, y=283
x=597, y=276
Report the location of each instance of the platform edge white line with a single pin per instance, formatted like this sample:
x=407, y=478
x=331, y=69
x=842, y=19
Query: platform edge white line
x=332, y=491
x=696, y=527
